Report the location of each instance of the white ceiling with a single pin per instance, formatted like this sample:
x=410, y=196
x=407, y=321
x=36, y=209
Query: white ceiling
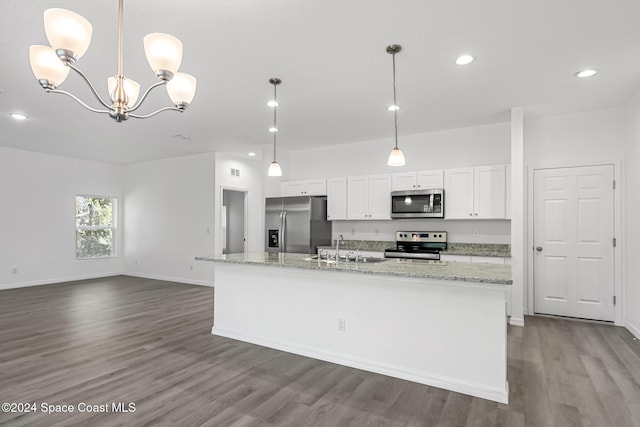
x=330, y=55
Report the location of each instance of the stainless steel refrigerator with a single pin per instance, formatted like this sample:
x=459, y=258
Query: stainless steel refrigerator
x=296, y=224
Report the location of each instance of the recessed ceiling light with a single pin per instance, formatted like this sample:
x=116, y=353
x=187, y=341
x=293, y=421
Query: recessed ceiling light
x=393, y=107
x=273, y=129
x=18, y=116
x=586, y=73
x=464, y=59
x=272, y=103
x=252, y=154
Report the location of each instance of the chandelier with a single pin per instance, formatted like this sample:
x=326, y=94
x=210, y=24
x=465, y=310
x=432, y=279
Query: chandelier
x=69, y=35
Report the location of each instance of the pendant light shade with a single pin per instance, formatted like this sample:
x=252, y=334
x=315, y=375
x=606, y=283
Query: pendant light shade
x=47, y=67
x=68, y=31
x=274, y=168
x=396, y=157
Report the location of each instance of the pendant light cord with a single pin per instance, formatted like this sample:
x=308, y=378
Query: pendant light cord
x=275, y=129
x=395, y=105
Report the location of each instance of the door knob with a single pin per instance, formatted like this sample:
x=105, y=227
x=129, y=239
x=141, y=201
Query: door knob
x=539, y=248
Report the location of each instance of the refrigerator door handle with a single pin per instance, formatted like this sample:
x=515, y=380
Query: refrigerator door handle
x=283, y=232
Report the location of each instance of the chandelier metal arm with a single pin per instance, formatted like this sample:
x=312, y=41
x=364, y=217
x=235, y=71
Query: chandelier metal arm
x=93, y=89
x=136, y=116
x=144, y=96
x=78, y=100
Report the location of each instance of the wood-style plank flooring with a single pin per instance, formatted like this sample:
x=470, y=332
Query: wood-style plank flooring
x=149, y=342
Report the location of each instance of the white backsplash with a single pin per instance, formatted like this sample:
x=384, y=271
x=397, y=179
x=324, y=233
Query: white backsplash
x=485, y=231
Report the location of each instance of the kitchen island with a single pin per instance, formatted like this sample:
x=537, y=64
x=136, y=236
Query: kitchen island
x=440, y=324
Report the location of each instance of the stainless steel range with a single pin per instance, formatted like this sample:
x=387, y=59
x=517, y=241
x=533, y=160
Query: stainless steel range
x=418, y=245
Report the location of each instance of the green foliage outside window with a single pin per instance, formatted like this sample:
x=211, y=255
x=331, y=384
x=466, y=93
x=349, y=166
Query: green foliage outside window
x=94, y=227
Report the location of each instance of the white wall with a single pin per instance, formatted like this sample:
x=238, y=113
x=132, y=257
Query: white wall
x=632, y=213
x=169, y=218
x=588, y=137
x=456, y=148
x=37, y=217
x=252, y=176
x=463, y=147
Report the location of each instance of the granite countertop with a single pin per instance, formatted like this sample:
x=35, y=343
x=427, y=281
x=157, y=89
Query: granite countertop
x=462, y=249
x=478, y=249
x=457, y=271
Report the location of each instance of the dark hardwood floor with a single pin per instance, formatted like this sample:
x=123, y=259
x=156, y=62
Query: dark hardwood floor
x=148, y=342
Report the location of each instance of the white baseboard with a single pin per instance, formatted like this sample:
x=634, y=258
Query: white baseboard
x=634, y=329
x=516, y=321
x=170, y=279
x=500, y=395
x=52, y=281
x=100, y=276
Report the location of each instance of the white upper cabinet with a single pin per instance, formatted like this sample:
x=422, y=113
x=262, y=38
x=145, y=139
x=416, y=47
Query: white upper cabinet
x=417, y=180
x=310, y=187
x=369, y=197
x=336, y=199
x=380, y=197
x=475, y=193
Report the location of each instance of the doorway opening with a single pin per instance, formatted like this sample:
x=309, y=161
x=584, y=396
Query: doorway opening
x=233, y=220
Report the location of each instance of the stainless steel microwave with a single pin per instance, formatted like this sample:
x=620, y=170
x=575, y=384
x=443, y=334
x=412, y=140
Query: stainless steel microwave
x=417, y=203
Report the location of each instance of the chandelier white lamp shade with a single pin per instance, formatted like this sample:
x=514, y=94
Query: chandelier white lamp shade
x=396, y=157
x=67, y=31
x=274, y=167
x=131, y=89
x=47, y=67
x=69, y=35
x=181, y=89
x=164, y=54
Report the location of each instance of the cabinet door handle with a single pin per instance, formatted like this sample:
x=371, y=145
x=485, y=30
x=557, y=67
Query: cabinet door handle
x=476, y=213
x=470, y=214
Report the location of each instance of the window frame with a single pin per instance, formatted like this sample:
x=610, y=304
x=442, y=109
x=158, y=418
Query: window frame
x=112, y=227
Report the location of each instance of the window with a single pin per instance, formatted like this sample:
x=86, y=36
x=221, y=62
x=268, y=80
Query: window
x=95, y=227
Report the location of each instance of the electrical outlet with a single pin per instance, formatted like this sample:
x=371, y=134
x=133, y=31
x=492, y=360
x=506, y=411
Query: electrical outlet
x=14, y=270
x=136, y=262
x=342, y=325
x=191, y=267
x=475, y=232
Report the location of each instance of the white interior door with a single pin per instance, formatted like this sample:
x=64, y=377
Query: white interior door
x=573, y=242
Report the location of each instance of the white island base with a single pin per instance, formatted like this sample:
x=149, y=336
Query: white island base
x=443, y=333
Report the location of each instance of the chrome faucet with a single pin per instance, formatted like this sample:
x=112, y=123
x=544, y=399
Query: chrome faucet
x=358, y=250
x=338, y=240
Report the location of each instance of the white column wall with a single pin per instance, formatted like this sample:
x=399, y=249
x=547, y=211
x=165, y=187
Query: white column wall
x=169, y=218
x=631, y=245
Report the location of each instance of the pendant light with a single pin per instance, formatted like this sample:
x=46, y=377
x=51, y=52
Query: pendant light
x=274, y=168
x=396, y=157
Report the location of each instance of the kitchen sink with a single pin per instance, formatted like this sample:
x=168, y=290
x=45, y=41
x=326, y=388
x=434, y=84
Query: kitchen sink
x=362, y=259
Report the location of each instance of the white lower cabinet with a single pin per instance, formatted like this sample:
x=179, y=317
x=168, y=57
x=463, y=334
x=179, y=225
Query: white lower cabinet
x=369, y=197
